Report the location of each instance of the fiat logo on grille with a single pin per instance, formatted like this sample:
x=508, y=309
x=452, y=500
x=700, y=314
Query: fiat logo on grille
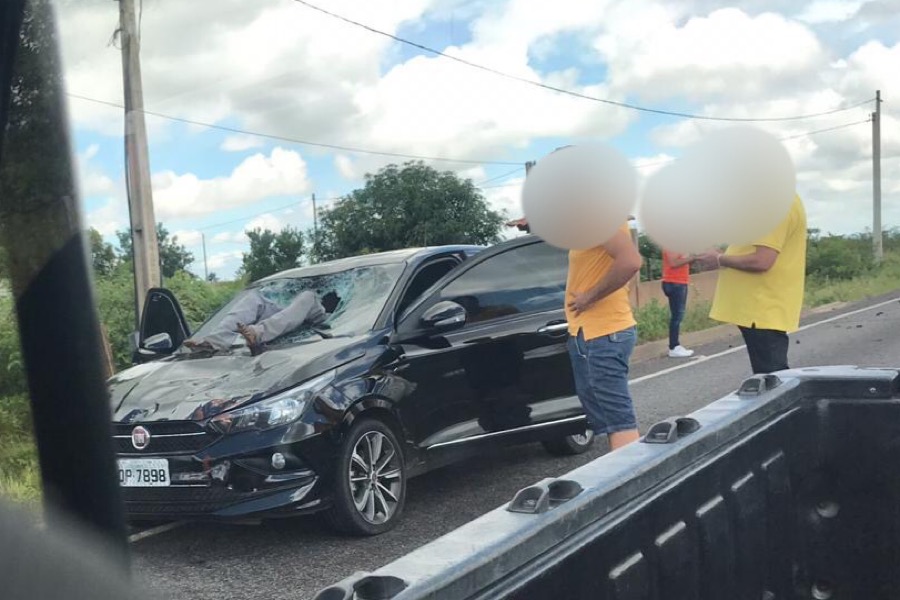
x=140, y=438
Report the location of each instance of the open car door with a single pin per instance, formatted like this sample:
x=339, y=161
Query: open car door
x=163, y=326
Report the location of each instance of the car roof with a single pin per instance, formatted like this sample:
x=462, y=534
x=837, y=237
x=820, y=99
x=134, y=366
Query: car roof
x=404, y=256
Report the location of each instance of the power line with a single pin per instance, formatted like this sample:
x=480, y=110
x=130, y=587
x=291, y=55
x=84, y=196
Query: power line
x=248, y=217
x=566, y=91
x=498, y=177
x=300, y=141
x=836, y=127
x=669, y=160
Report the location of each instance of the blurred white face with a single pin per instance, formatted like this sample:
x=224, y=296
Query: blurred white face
x=578, y=196
x=733, y=186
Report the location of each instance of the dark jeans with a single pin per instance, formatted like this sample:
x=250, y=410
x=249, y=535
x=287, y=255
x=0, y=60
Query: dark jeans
x=768, y=349
x=677, y=294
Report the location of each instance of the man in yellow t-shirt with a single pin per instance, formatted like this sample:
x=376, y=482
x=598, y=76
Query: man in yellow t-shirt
x=760, y=289
x=603, y=334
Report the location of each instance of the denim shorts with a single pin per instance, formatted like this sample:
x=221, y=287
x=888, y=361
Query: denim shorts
x=600, y=366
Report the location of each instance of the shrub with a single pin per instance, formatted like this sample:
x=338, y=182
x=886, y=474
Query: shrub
x=837, y=258
x=19, y=471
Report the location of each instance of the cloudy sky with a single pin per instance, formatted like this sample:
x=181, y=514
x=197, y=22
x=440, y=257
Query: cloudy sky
x=310, y=82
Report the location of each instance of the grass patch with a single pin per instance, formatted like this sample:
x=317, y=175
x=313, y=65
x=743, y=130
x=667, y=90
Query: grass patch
x=20, y=478
x=653, y=320
x=880, y=280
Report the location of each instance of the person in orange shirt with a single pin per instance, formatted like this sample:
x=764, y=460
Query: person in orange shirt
x=676, y=275
x=602, y=334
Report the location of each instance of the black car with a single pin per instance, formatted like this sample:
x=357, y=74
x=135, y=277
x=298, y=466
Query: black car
x=432, y=355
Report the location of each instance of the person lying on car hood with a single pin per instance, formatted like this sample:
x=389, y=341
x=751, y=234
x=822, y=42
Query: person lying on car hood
x=260, y=320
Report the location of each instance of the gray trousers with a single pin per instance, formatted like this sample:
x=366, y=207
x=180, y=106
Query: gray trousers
x=267, y=320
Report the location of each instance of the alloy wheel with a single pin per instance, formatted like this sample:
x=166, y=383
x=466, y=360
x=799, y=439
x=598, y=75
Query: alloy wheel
x=376, y=478
x=583, y=439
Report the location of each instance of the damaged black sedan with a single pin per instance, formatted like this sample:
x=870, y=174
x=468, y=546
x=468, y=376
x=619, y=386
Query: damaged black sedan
x=423, y=357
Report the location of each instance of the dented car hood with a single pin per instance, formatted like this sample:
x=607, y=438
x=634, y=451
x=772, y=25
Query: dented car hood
x=191, y=387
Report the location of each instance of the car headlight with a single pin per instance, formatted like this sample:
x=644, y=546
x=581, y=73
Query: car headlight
x=281, y=409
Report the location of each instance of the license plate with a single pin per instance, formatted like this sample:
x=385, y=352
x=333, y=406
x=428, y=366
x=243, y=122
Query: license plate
x=143, y=472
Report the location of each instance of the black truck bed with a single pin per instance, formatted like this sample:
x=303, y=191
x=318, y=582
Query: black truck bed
x=790, y=492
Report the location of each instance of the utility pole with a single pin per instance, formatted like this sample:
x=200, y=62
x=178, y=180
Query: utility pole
x=315, y=227
x=205, y=266
x=636, y=281
x=315, y=217
x=876, y=179
x=144, y=245
x=528, y=166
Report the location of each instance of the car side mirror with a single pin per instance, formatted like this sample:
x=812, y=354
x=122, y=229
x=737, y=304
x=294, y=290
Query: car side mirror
x=445, y=316
x=160, y=343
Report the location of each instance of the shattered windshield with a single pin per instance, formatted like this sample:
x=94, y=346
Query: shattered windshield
x=353, y=299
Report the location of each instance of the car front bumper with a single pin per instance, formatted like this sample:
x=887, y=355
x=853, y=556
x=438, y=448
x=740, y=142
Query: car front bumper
x=222, y=502
x=234, y=477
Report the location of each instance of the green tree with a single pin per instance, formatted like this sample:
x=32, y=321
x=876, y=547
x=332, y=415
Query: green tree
x=272, y=252
x=652, y=255
x=406, y=206
x=103, y=255
x=173, y=257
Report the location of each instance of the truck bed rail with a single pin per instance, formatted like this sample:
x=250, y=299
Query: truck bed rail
x=787, y=488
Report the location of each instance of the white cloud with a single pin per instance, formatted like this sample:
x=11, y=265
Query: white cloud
x=506, y=197
x=109, y=218
x=829, y=11
x=878, y=11
x=230, y=237
x=241, y=142
x=433, y=107
x=280, y=68
x=283, y=172
x=346, y=167
x=275, y=65
x=223, y=259
x=476, y=174
x=92, y=180
x=189, y=237
x=267, y=221
x=727, y=53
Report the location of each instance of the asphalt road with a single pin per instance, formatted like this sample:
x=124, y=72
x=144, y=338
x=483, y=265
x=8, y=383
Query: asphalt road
x=294, y=559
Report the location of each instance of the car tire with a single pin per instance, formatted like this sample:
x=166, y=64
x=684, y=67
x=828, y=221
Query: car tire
x=367, y=504
x=570, y=445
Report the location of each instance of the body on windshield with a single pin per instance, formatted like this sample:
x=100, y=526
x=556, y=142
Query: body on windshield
x=290, y=309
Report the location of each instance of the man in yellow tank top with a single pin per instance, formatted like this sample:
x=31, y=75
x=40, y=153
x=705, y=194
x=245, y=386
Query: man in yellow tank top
x=760, y=289
x=603, y=334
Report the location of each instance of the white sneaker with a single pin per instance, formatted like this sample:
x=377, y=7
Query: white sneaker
x=680, y=352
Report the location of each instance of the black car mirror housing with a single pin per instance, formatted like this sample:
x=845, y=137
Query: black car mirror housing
x=159, y=343
x=444, y=316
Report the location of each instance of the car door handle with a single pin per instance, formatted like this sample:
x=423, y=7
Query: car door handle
x=553, y=328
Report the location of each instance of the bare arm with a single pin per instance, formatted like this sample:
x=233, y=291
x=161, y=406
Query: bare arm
x=679, y=260
x=758, y=262
x=626, y=262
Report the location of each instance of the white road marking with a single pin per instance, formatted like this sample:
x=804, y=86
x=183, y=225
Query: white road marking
x=142, y=535
x=702, y=359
